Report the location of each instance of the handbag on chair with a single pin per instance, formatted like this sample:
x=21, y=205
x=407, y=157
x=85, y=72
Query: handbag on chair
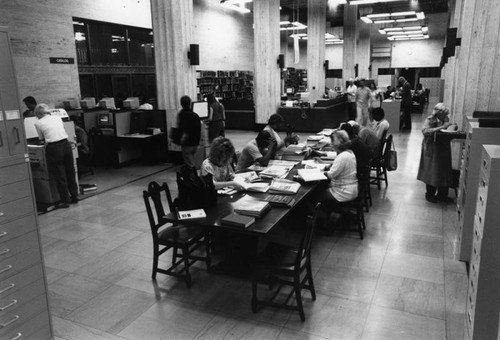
x=195, y=192
x=392, y=159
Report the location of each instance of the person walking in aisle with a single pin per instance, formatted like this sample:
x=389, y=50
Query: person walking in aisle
x=216, y=118
x=406, y=103
x=363, y=98
x=351, y=99
x=190, y=131
x=59, y=155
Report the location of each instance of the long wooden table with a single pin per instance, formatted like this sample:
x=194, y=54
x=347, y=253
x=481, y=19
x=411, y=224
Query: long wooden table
x=262, y=226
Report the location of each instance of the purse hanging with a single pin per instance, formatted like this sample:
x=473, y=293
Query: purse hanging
x=392, y=161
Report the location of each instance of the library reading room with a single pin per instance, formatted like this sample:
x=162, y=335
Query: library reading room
x=249, y=169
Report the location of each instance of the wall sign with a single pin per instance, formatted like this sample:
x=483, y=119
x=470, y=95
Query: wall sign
x=58, y=60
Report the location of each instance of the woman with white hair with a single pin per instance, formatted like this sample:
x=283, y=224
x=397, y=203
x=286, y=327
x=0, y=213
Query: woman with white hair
x=59, y=155
x=432, y=171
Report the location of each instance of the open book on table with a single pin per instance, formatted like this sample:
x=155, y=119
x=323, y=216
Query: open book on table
x=311, y=175
x=284, y=186
x=251, y=182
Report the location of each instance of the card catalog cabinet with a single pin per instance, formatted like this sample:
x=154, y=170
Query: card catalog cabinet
x=469, y=179
x=483, y=296
x=24, y=311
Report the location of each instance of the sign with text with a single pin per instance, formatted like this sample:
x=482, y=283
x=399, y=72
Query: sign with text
x=58, y=60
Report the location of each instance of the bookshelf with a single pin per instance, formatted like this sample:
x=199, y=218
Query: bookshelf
x=225, y=84
x=295, y=78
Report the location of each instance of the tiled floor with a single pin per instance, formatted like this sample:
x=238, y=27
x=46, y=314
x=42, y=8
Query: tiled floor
x=400, y=282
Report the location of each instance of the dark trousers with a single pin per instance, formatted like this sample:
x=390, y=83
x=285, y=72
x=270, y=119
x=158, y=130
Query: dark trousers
x=62, y=169
x=442, y=192
x=405, y=123
x=351, y=111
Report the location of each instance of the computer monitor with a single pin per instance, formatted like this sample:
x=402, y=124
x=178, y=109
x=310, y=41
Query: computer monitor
x=289, y=90
x=131, y=103
x=71, y=103
x=302, y=88
x=107, y=103
x=104, y=119
x=87, y=103
x=201, y=109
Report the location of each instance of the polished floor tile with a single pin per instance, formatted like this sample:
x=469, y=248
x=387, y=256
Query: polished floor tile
x=414, y=267
x=409, y=295
x=385, y=323
x=410, y=243
x=65, y=329
x=113, y=310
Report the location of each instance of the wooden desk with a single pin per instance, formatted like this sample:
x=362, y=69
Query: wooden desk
x=262, y=226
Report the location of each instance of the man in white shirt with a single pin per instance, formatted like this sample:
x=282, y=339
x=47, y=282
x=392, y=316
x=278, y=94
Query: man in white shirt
x=351, y=99
x=59, y=154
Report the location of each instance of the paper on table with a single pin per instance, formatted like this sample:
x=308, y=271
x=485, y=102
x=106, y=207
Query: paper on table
x=313, y=164
x=310, y=175
x=190, y=214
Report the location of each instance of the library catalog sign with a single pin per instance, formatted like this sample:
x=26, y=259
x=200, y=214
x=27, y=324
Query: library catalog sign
x=59, y=60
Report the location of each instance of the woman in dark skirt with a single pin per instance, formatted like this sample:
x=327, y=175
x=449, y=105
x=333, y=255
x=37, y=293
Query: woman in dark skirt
x=216, y=118
x=432, y=169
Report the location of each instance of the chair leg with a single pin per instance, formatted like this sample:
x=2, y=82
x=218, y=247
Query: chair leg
x=359, y=218
x=185, y=255
x=378, y=177
x=208, y=259
x=155, y=263
x=174, y=255
x=310, y=280
x=298, y=297
x=385, y=178
x=254, y=296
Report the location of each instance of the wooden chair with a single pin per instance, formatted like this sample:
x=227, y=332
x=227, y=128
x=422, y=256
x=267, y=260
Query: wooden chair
x=286, y=265
x=379, y=165
x=357, y=205
x=363, y=175
x=186, y=239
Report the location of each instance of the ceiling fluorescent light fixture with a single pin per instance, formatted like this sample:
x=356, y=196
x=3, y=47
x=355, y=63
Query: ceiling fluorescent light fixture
x=384, y=21
x=364, y=2
x=238, y=6
x=293, y=26
x=367, y=20
x=406, y=20
x=286, y=22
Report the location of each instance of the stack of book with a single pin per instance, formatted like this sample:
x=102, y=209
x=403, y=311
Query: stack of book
x=251, y=207
x=280, y=200
x=284, y=187
x=237, y=220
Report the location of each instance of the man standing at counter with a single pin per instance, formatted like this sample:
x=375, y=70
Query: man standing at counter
x=406, y=102
x=351, y=99
x=59, y=154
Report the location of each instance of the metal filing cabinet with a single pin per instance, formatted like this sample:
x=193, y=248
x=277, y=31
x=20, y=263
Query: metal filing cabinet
x=24, y=310
x=469, y=178
x=483, y=296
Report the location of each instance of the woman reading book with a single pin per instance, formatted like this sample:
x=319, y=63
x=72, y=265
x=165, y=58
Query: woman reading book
x=218, y=164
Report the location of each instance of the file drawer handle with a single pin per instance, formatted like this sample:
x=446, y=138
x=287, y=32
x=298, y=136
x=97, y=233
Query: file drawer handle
x=10, y=321
x=2, y=234
x=16, y=131
x=5, y=251
x=480, y=219
x=485, y=164
x=483, y=183
x=18, y=335
x=12, y=285
x=481, y=199
x=9, y=267
x=12, y=303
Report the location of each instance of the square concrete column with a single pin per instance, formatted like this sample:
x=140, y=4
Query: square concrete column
x=175, y=77
x=316, y=28
x=350, y=37
x=267, y=93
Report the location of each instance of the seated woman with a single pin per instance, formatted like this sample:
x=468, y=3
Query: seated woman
x=361, y=151
x=343, y=184
x=432, y=171
x=218, y=164
x=273, y=124
x=380, y=124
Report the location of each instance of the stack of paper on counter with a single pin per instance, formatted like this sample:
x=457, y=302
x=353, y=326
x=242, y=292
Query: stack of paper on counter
x=311, y=175
x=251, y=206
x=314, y=164
x=248, y=181
x=284, y=186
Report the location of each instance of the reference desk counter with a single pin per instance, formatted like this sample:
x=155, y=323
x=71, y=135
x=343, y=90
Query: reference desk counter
x=326, y=114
